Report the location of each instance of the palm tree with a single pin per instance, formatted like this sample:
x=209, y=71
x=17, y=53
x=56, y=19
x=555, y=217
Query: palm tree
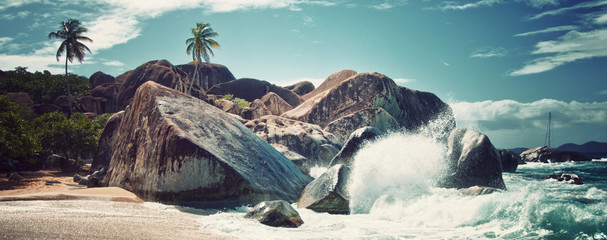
x=200, y=44
x=71, y=33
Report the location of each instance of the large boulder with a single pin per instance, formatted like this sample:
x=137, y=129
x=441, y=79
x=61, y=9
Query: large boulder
x=179, y=149
x=332, y=81
x=161, y=72
x=411, y=109
x=107, y=96
x=100, y=78
x=306, y=139
x=251, y=89
x=256, y=110
x=88, y=103
x=509, y=160
x=354, y=143
x=552, y=155
x=329, y=192
x=209, y=74
x=566, y=178
x=301, y=88
x=107, y=142
x=473, y=160
x=275, y=104
x=276, y=214
x=375, y=117
x=21, y=98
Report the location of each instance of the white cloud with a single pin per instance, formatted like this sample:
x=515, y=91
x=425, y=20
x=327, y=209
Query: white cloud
x=604, y=92
x=400, y=81
x=542, y=3
x=315, y=81
x=33, y=62
x=601, y=19
x=382, y=6
x=308, y=21
x=566, y=9
x=452, y=5
x=571, y=47
x=487, y=52
x=548, y=30
x=113, y=63
x=5, y=40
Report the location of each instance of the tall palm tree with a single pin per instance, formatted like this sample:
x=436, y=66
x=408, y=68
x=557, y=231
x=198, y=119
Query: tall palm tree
x=71, y=33
x=200, y=46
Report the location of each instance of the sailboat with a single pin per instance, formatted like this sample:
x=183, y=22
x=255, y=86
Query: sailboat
x=548, y=129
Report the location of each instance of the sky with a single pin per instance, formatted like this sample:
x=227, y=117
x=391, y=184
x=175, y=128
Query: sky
x=502, y=65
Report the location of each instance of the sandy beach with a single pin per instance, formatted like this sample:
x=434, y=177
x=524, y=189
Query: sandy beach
x=49, y=205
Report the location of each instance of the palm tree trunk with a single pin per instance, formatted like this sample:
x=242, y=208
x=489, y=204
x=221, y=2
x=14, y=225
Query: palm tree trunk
x=69, y=95
x=193, y=77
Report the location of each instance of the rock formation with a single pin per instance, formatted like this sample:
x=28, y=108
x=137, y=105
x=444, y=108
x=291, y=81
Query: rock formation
x=552, y=155
x=209, y=74
x=276, y=214
x=329, y=192
x=356, y=141
x=472, y=161
x=376, y=117
x=21, y=98
x=338, y=98
x=107, y=142
x=179, y=149
x=566, y=178
x=478, y=190
x=301, y=88
x=251, y=89
x=161, y=72
x=509, y=160
x=306, y=139
x=275, y=104
x=100, y=78
x=256, y=110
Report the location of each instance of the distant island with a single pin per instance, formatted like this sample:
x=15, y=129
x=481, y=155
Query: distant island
x=593, y=149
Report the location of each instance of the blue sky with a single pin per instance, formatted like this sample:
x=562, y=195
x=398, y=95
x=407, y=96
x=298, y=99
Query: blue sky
x=501, y=64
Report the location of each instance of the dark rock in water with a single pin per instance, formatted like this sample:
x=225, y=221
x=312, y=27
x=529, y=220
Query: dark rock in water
x=478, y=190
x=552, y=155
x=374, y=117
x=251, y=89
x=411, y=109
x=161, y=72
x=107, y=142
x=356, y=141
x=566, y=177
x=329, y=192
x=472, y=161
x=100, y=78
x=179, y=149
x=509, y=160
x=209, y=74
x=301, y=88
x=276, y=214
x=306, y=139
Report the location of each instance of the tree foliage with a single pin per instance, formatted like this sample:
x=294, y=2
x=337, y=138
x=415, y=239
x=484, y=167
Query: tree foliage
x=41, y=87
x=17, y=137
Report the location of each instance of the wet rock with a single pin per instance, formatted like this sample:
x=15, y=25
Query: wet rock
x=509, y=160
x=552, y=155
x=301, y=88
x=179, y=149
x=566, y=178
x=356, y=141
x=473, y=160
x=276, y=214
x=329, y=192
x=209, y=74
x=306, y=139
x=478, y=190
x=374, y=117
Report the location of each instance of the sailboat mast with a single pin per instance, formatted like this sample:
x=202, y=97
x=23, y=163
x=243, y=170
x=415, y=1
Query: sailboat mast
x=547, y=139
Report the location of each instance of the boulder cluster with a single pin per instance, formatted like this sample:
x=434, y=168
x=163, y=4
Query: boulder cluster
x=204, y=147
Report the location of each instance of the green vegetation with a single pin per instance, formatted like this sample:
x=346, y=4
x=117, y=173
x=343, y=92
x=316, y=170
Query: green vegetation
x=42, y=87
x=242, y=103
x=199, y=44
x=22, y=139
x=71, y=33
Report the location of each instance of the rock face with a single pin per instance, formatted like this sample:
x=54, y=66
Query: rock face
x=301, y=88
x=21, y=98
x=376, y=117
x=209, y=74
x=410, y=108
x=107, y=142
x=305, y=139
x=567, y=178
x=509, y=160
x=179, y=149
x=329, y=192
x=161, y=72
x=256, y=110
x=552, y=155
x=275, y=104
x=276, y=214
x=356, y=141
x=331, y=82
x=100, y=78
x=478, y=190
x=251, y=89
x=472, y=161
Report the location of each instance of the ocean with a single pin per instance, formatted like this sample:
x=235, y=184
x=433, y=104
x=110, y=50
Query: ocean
x=393, y=196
